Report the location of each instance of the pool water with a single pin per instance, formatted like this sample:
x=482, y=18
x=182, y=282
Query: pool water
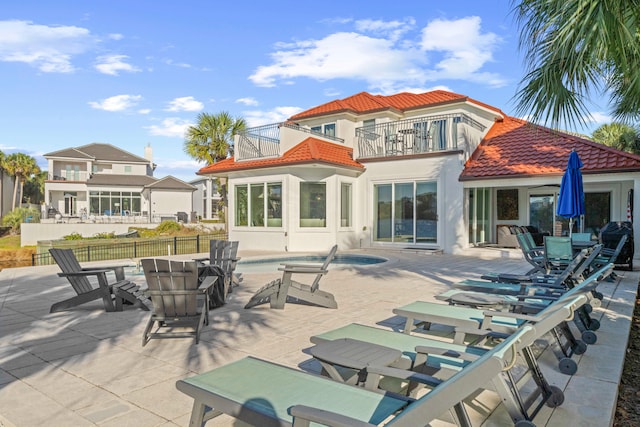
x=272, y=264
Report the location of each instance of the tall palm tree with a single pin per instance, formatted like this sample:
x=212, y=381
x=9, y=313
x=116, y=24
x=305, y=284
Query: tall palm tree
x=618, y=135
x=576, y=47
x=21, y=166
x=211, y=138
x=2, y=164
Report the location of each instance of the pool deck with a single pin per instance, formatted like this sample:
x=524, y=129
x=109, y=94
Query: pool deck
x=86, y=367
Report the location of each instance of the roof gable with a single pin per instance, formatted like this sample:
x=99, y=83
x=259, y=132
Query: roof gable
x=516, y=148
x=170, y=183
x=110, y=153
x=363, y=102
x=311, y=150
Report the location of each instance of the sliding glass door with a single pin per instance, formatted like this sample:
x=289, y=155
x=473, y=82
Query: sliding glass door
x=406, y=212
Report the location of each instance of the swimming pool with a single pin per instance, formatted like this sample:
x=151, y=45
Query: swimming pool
x=264, y=265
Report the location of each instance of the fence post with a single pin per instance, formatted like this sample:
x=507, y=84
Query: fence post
x=175, y=245
x=135, y=249
x=197, y=243
x=88, y=253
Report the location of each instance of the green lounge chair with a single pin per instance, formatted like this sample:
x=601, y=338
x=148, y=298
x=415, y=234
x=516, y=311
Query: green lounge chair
x=262, y=393
x=440, y=359
x=467, y=321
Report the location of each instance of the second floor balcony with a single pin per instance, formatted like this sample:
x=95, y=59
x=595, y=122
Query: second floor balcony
x=418, y=135
x=68, y=175
x=265, y=141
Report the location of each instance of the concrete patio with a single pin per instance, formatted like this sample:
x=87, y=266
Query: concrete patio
x=86, y=367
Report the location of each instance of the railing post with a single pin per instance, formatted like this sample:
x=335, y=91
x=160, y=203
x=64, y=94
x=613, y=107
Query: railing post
x=197, y=243
x=33, y=260
x=88, y=253
x=135, y=249
x=175, y=245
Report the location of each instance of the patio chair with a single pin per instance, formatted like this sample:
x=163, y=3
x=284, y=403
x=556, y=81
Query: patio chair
x=99, y=288
x=468, y=321
x=558, y=252
x=532, y=255
x=180, y=302
x=263, y=393
x=281, y=291
x=441, y=359
x=224, y=253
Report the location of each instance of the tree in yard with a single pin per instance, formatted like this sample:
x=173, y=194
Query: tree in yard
x=211, y=138
x=20, y=166
x=34, y=188
x=3, y=158
x=574, y=48
x=619, y=136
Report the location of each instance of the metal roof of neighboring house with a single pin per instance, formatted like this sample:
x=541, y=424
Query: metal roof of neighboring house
x=364, y=102
x=516, y=148
x=311, y=150
x=170, y=183
x=121, y=180
x=98, y=151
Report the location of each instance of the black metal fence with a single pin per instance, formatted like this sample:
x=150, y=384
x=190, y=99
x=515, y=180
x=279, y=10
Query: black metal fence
x=87, y=251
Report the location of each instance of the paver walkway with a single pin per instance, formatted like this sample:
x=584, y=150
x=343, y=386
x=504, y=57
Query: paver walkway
x=87, y=367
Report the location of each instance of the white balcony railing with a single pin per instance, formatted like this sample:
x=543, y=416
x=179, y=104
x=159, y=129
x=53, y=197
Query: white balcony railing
x=69, y=175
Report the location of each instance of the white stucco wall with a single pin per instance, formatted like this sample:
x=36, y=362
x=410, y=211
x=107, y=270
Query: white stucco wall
x=166, y=203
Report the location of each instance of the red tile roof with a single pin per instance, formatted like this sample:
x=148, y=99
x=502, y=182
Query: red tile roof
x=364, y=102
x=311, y=150
x=515, y=148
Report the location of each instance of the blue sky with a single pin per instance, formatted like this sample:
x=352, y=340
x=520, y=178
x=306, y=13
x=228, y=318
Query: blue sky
x=132, y=73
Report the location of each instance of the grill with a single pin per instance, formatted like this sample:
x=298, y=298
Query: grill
x=611, y=234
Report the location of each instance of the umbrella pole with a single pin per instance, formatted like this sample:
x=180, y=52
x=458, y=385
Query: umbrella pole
x=570, y=226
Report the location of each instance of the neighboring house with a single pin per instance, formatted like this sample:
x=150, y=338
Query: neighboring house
x=100, y=180
x=433, y=170
x=206, y=198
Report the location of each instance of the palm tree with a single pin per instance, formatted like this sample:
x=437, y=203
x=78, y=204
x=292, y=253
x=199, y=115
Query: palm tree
x=619, y=136
x=576, y=47
x=2, y=165
x=20, y=166
x=211, y=139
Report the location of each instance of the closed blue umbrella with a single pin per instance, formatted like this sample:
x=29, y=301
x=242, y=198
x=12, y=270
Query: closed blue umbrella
x=571, y=197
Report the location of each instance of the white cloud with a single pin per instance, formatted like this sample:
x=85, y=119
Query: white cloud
x=277, y=115
x=331, y=92
x=186, y=103
x=464, y=47
x=48, y=48
x=177, y=64
x=171, y=127
x=247, y=101
x=598, y=117
x=144, y=111
x=116, y=103
x=388, y=55
x=115, y=36
x=393, y=29
x=113, y=64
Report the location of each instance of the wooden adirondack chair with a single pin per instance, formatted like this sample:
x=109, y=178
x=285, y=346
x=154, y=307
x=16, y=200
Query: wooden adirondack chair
x=86, y=291
x=224, y=254
x=180, y=302
x=281, y=291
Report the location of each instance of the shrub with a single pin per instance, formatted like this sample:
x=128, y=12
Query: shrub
x=19, y=215
x=168, y=227
x=73, y=236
